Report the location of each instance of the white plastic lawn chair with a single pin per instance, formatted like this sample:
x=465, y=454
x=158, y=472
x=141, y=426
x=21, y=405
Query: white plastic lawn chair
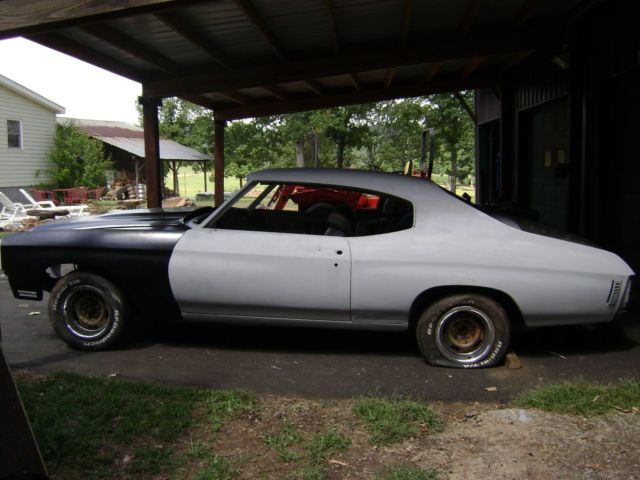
x=12, y=213
x=75, y=210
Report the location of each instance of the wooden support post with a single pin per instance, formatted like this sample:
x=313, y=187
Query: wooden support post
x=153, y=168
x=204, y=170
x=218, y=189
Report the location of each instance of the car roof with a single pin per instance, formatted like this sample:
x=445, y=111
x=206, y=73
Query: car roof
x=404, y=186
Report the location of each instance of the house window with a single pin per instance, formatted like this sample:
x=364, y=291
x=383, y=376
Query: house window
x=14, y=133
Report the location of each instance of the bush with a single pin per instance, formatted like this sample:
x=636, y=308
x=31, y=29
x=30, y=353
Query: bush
x=78, y=159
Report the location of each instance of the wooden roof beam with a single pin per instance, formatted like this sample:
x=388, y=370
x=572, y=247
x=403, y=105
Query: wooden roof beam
x=389, y=79
x=355, y=82
x=470, y=15
x=332, y=24
x=369, y=95
x=432, y=70
x=179, y=24
x=314, y=67
x=202, y=101
x=406, y=24
x=20, y=17
x=465, y=106
x=314, y=87
x=473, y=65
x=235, y=97
x=275, y=92
x=516, y=59
x=258, y=22
x=131, y=46
x=404, y=37
x=525, y=12
x=71, y=47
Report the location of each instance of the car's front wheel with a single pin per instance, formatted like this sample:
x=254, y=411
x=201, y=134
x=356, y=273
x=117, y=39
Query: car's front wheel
x=87, y=311
x=464, y=331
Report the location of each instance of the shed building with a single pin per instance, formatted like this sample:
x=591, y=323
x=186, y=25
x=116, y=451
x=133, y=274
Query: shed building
x=124, y=144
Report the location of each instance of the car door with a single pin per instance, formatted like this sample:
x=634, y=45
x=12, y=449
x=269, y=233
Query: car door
x=236, y=274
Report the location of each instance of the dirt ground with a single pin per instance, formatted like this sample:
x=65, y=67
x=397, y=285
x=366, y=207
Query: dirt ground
x=480, y=441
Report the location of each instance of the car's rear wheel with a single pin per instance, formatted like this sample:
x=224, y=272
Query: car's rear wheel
x=87, y=311
x=464, y=331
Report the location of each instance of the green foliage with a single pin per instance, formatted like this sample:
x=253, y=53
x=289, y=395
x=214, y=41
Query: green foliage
x=78, y=159
x=392, y=420
x=582, y=398
x=409, y=472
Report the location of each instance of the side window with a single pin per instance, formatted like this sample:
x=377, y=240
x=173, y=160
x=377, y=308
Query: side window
x=315, y=210
x=14, y=133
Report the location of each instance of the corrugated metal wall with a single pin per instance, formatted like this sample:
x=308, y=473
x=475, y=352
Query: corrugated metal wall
x=540, y=82
x=487, y=105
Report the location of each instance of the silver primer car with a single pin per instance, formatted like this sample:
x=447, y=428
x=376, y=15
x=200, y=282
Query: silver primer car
x=319, y=247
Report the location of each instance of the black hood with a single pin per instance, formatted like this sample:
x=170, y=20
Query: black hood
x=147, y=219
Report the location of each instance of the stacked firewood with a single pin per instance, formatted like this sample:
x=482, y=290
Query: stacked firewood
x=123, y=188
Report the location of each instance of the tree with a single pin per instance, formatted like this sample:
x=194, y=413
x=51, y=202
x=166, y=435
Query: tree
x=78, y=159
x=454, y=134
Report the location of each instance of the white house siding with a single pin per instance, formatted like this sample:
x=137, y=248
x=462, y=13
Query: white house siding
x=18, y=166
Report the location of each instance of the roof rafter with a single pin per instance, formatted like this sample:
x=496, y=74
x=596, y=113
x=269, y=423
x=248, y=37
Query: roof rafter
x=473, y=65
x=256, y=19
x=314, y=87
x=235, y=97
x=275, y=92
x=332, y=23
x=131, y=46
x=404, y=37
x=311, y=68
x=71, y=47
x=354, y=81
x=516, y=59
x=179, y=24
x=470, y=15
x=432, y=70
x=525, y=12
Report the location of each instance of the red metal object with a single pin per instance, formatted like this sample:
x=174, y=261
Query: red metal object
x=96, y=193
x=304, y=197
x=71, y=196
x=44, y=195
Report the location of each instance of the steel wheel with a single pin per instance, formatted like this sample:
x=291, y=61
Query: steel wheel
x=464, y=334
x=86, y=312
x=464, y=331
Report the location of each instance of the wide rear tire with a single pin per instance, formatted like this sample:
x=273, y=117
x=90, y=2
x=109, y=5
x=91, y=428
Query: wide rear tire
x=87, y=311
x=464, y=331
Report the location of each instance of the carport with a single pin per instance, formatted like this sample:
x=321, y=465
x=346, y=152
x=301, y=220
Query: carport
x=244, y=58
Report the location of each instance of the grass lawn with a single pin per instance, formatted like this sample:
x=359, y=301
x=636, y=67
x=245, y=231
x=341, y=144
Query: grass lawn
x=91, y=428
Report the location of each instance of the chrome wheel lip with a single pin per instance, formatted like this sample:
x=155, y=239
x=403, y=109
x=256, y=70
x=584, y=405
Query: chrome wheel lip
x=477, y=354
x=74, y=325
